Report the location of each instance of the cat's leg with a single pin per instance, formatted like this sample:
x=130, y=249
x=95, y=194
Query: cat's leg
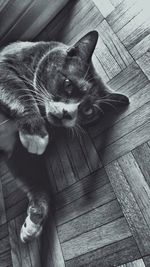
x=22, y=108
x=36, y=215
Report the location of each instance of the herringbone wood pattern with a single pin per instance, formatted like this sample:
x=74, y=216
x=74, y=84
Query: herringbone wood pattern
x=100, y=182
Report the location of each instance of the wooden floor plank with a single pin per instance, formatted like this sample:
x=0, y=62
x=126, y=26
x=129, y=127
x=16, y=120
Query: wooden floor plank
x=81, y=188
x=35, y=253
x=137, y=263
x=142, y=156
x=80, y=166
x=118, y=51
x=130, y=204
x=2, y=206
x=85, y=24
x=137, y=35
x=88, y=221
x=86, y=203
x=57, y=168
x=143, y=62
x=3, y=231
x=11, y=9
x=141, y=47
x=22, y=254
x=75, y=19
x=107, y=59
x=90, y=153
x=127, y=15
x=121, y=7
x=13, y=198
x=112, y=255
x=122, y=80
x=9, y=188
x=126, y=125
x=7, y=177
x=99, y=68
x=132, y=25
x=137, y=137
x=5, y=259
x=17, y=209
x=139, y=186
x=50, y=246
x=115, y=3
x=14, y=243
x=111, y=119
x=104, y=6
x=4, y=245
x=96, y=238
x=3, y=167
x=62, y=148
x=146, y=260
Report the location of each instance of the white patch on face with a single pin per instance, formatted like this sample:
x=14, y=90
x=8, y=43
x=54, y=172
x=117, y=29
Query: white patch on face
x=69, y=123
x=57, y=109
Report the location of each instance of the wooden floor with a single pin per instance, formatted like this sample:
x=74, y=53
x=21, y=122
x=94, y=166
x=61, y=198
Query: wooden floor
x=100, y=182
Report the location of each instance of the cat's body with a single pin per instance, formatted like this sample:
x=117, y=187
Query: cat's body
x=49, y=82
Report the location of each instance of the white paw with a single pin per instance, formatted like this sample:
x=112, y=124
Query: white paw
x=29, y=230
x=34, y=143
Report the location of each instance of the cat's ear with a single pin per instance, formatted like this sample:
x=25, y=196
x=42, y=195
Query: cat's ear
x=86, y=45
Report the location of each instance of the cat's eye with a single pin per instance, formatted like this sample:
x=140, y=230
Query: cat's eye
x=68, y=86
x=88, y=111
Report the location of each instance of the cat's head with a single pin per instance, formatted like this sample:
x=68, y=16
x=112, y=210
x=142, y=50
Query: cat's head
x=62, y=78
x=68, y=84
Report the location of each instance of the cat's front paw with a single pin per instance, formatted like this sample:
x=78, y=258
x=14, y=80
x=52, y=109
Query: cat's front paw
x=35, y=144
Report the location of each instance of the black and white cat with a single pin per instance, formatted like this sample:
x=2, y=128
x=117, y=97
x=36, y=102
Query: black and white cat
x=49, y=82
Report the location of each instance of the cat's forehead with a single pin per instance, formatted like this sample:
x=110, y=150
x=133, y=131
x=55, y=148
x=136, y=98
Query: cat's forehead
x=59, y=59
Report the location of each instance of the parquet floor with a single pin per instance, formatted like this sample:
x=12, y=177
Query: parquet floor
x=100, y=182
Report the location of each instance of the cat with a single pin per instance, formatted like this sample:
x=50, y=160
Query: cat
x=48, y=83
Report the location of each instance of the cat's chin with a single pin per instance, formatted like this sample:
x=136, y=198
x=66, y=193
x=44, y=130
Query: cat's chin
x=66, y=123
x=69, y=123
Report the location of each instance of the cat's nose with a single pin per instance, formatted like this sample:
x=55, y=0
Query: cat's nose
x=66, y=115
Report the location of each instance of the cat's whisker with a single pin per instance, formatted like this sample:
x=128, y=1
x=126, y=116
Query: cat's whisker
x=70, y=132
x=35, y=97
x=81, y=129
x=73, y=133
x=3, y=122
x=92, y=78
x=38, y=86
x=32, y=72
x=76, y=131
x=42, y=88
x=79, y=132
x=99, y=108
x=31, y=96
x=31, y=99
x=86, y=72
x=34, y=91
